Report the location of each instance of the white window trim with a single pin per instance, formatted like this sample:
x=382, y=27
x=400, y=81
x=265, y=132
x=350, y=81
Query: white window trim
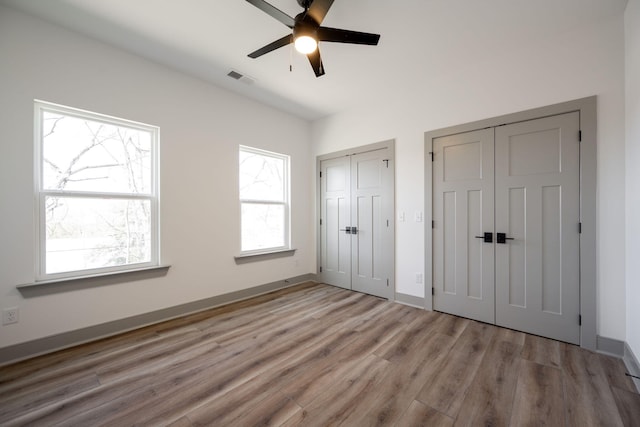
x=287, y=204
x=40, y=195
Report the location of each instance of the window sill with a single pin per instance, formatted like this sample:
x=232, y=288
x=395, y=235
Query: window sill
x=243, y=259
x=89, y=277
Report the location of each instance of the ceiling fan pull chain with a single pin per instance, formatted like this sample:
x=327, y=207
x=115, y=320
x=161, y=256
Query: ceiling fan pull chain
x=291, y=58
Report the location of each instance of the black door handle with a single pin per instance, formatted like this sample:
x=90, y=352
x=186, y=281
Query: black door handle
x=347, y=230
x=487, y=238
x=502, y=238
x=354, y=230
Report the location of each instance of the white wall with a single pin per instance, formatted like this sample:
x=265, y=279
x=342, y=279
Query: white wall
x=578, y=63
x=201, y=128
x=632, y=69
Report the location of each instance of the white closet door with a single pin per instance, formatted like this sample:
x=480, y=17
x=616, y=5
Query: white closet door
x=371, y=210
x=356, y=232
x=335, y=214
x=463, y=263
x=537, y=178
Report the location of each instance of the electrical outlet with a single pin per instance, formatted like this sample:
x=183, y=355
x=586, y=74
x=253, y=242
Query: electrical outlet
x=418, y=278
x=401, y=216
x=10, y=315
x=419, y=217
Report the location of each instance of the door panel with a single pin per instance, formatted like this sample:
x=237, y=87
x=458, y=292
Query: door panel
x=537, y=182
x=474, y=205
x=551, y=249
x=517, y=253
x=463, y=275
x=336, y=215
x=370, y=190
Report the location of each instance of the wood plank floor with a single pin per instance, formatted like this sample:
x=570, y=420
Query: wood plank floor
x=315, y=355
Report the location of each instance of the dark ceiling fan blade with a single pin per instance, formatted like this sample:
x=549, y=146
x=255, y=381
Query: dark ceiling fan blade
x=273, y=12
x=318, y=10
x=337, y=35
x=272, y=46
x=316, y=62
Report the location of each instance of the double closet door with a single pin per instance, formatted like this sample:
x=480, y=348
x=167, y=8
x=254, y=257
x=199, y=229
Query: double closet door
x=506, y=210
x=356, y=233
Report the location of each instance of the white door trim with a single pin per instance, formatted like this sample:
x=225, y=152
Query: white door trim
x=390, y=146
x=587, y=107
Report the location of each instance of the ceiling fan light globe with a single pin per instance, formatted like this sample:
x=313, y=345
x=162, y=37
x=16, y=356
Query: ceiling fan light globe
x=306, y=44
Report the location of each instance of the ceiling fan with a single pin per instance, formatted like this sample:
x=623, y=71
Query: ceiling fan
x=307, y=31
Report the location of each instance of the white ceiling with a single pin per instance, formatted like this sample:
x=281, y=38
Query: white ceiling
x=420, y=39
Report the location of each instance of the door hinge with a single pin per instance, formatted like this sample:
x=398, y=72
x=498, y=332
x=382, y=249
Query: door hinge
x=320, y=174
x=431, y=154
x=320, y=269
x=433, y=291
x=579, y=228
x=320, y=221
x=580, y=319
x=433, y=224
x=386, y=162
x=579, y=136
x=387, y=223
x=387, y=282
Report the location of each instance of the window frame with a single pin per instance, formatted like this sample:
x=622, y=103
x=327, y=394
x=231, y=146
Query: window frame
x=286, y=203
x=41, y=193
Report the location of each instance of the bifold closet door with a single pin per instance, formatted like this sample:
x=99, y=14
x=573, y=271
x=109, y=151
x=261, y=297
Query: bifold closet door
x=335, y=214
x=356, y=236
x=371, y=210
x=463, y=275
x=537, y=179
x=524, y=273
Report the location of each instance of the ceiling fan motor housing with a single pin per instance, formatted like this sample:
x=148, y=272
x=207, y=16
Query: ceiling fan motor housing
x=305, y=26
x=305, y=3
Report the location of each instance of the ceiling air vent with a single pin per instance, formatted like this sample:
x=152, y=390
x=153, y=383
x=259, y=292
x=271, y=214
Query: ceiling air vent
x=240, y=77
x=234, y=75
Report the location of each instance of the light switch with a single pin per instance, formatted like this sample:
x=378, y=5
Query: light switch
x=401, y=216
x=419, y=217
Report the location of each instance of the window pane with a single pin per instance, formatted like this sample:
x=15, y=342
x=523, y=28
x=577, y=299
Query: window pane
x=261, y=177
x=80, y=154
x=262, y=226
x=86, y=233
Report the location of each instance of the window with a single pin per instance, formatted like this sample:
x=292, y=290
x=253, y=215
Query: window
x=264, y=201
x=97, y=192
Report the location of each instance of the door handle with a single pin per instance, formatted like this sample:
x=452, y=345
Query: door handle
x=502, y=238
x=354, y=230
x=346, y=230
x=487, y=238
